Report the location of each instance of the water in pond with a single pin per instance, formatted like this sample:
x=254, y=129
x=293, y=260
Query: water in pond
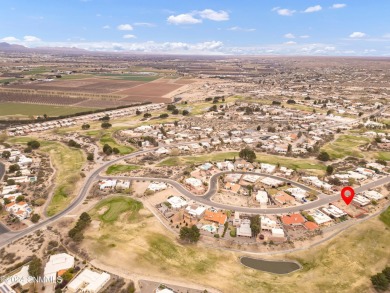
x=270, y=266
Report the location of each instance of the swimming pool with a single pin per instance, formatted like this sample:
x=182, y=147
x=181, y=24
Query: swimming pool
x=210, y=228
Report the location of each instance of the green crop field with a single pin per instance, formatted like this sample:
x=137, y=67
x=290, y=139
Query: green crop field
x=131, y=77
x=115, y=169
x=114, y=207
x=11, y=109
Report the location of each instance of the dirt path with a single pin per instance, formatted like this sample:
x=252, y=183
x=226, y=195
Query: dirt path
x=137, y=277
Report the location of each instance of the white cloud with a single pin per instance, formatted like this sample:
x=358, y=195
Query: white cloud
x=289, y=36
x=357, y=35
x=304, y=37
x=129, y=37
x=338, y=6
x=214, y=15
x=196, y=17
x=145, y=24
x=9, y=39
x=183, y=19
x=240, y=29
x=313, y=9
x=386, y=36
x=284, y=11
x=290, y=43
x=31, y=39
x=106, y=27
x=125, y=27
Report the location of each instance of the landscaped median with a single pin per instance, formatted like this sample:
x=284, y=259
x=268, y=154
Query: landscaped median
x=117, y=169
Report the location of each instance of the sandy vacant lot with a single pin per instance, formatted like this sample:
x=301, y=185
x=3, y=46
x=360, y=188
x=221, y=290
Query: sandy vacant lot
x=142, y=245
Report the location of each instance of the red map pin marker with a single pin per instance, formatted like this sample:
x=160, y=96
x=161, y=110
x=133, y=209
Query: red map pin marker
x=347, y=194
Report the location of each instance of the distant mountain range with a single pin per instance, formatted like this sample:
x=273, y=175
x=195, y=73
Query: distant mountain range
x=6, y=47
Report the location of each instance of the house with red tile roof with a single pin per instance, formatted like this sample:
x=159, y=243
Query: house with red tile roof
x=294, y=219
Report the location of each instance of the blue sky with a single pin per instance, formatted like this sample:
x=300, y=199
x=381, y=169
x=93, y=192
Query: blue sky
x=295, y=27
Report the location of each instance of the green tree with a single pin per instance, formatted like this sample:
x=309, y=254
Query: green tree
x=19, y=198
x=11, y=182
x=28, y=149
x=186, y=112
x=386, y=272
x=191, y=235
x=164, y=115
x=35, y=267
x=35, y=218
x=6, y=154
x=289, y=148
x=85, y=126
x=106, y=125
x=34, y=144
x=258, y=128
x=247, y=154
x=147, y=115
x=380, y=281
x=255, y=225
x=13, y=168
x=107, y=149
x=323, y=156
x=329, y=170
x=171, y=107
x=90, y=157
x=115, y=151
x=175, y=111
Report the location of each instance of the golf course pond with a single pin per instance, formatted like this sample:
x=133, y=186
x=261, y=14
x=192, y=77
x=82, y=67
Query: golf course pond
x=279, y=267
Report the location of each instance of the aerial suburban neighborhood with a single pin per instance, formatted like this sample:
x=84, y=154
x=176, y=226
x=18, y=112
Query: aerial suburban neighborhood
x=176, y=167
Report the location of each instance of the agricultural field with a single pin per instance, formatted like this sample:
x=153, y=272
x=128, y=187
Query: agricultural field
x=117, y=169
x=93, y=91
x=11, y=110
x=125, y=236
x=345, y=145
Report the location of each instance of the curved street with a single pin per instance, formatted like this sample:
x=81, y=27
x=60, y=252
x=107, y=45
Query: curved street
x=9, y=237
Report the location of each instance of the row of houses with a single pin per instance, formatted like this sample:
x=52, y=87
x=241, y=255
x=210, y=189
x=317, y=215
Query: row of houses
x=11, y=193
x=60, y=123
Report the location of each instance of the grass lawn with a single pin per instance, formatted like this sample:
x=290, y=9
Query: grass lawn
x=115, y=169
x=383, y=156
x=67, y=162
x=132, y=77
x=108, y=139
x=311, y=165
x=385, y=217
x=7, y=80
x=345, y=145
x=10, y=109
x=109, y=210
x=74, y=76
x=188, y=160
x=139, y=245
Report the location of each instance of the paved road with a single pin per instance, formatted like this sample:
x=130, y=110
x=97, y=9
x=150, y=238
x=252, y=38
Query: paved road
x=323, y=199
x=9, y=237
